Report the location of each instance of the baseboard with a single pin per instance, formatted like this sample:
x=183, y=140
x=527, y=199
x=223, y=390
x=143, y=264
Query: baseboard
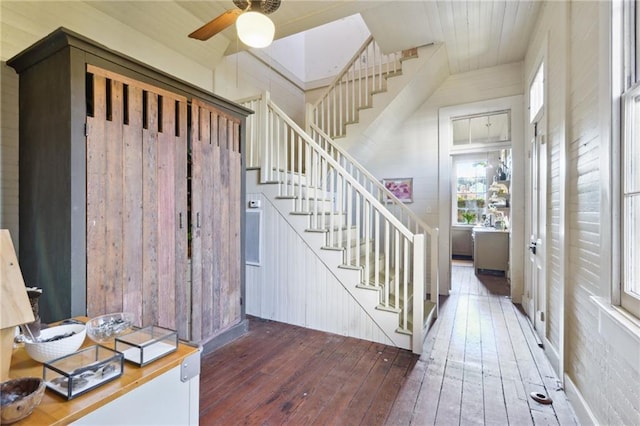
x=225, y=337
x=553, y=356
x=580, y=406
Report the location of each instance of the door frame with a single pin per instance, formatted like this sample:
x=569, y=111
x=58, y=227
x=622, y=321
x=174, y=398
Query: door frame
x=445, y=171
x=554, y=353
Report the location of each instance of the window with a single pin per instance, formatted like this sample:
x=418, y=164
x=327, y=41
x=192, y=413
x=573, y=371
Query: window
x=536, y=93
x=629, y=160
x=470, y=191
x=482, y=129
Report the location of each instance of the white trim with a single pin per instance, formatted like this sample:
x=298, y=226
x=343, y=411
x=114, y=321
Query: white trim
x=617, y=84
x=541, y=121
x=515, y=104
x=563, y=176
x=580, y=407
x=553, y=355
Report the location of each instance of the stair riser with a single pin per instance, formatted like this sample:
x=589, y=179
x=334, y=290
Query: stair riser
x=310, y=205
x=326, y=221
x=338, y=238
x=304, y=192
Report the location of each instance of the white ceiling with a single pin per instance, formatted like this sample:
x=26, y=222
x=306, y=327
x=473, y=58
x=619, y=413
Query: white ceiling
x=477, y=33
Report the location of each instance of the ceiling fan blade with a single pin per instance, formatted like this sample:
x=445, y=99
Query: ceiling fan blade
x=220, y=23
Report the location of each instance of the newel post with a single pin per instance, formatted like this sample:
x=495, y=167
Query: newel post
x=434, y=278
x=418, y=292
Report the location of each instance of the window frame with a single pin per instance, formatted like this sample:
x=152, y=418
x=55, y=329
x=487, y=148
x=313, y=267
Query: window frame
x=626, y=91
x=629, y=134
x=469, y=204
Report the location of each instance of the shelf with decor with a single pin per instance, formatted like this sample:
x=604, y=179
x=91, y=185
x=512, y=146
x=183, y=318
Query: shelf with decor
x=499, y=201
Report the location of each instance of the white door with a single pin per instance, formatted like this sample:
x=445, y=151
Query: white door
x=536, y=285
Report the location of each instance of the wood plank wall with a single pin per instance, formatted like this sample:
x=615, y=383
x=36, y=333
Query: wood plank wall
x=136, y=198
x=216, y=174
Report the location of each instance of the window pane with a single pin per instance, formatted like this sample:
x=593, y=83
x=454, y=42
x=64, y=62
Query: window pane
x=632, y=144
x=471, y=189
x=499, y=130
x=461, y=131
x=536, y=93
x=631, y=229
x=486, y=128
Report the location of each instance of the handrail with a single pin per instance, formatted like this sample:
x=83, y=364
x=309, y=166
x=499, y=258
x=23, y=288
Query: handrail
x=353, y=181
x=351, y=90
x=346, y=202
x=383, y=194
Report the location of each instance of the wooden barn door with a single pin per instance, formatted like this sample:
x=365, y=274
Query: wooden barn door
x=215, y=220
x=136, y=201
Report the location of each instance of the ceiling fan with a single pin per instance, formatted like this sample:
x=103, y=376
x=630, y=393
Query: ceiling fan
x=254, y=27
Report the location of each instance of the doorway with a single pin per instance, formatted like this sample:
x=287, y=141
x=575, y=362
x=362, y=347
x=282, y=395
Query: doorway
x=455, y=123
x=535, y=297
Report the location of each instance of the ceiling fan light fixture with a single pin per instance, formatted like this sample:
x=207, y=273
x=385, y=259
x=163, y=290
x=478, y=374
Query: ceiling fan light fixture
x=255, y=29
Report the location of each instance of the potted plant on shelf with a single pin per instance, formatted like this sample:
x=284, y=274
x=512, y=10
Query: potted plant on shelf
x=468, y=217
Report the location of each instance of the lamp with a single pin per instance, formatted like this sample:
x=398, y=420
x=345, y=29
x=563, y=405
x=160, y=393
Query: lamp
x=255, y=29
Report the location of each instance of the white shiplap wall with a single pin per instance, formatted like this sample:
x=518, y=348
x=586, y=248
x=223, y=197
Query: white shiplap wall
x=243, y=75
x=412, y=148
x=9, y=187
x=600, y=358
x=293, y=285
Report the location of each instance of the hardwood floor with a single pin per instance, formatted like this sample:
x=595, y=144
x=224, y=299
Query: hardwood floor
x=479, y=366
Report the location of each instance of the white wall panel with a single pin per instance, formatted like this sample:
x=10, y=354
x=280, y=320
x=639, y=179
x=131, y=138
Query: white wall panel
x=293, y=286
x=412, y=149
x=243, y=75
x=603, y=379
x=9, y=187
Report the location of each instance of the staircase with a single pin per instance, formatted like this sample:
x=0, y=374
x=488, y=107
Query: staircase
x=378, y=250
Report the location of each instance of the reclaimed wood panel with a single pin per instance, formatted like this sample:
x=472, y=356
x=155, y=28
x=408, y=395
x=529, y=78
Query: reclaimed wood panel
x=166, y=213
x=196, y=207
x=216, y=220
x=183, y=287
x=133, y=208
x=150, y=209
x=112, y=285
x=217, y=199
x=205, y=222
x=222, y=260
x=136, y=198
x=236, y=206
x=96, y=199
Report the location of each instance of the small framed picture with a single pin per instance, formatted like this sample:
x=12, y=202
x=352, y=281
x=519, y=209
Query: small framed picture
x=402, y=188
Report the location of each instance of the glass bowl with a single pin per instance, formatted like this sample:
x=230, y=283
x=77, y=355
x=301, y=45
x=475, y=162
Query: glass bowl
x=105, y=328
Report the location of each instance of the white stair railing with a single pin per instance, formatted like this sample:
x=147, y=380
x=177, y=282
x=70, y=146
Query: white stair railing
x=393, y=258
x=365, y=74
x=405, y=215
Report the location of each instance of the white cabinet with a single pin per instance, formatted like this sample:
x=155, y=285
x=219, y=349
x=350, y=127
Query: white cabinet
x=490, y=249
x=165, y=400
